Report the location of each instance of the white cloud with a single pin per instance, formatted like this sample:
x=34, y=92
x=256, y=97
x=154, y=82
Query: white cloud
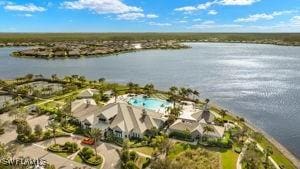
x=212, y=12
x=208, y=22
x=189, y=9
x=150, y=16
x=263, y=16
x=28, y=15
x=295, y=20
x=130, y=16
x=24, y=8
x=207, y=5
x=186, y=9
x=197, y=19
x=135, y=16
x=102, y=6
x=182, y=21
x=159, y=24
x=238, y=2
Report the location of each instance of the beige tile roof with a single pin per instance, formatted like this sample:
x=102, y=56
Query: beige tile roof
x=131, y=118
x=84, y=108
x=88, y=93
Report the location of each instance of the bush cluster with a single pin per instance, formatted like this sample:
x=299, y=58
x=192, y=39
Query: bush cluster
x=89, y=157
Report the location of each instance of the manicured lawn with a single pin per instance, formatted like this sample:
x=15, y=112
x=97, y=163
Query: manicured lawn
x=229, y=159
x=144, y=150
x=140, y=161
x=177, y=149
x=79, y=160
x=65, y=155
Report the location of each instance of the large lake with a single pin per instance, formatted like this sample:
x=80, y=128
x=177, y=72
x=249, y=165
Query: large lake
x=258, y=82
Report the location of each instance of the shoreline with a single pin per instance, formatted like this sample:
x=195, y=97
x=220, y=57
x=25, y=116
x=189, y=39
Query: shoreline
x=287, y=153
x=192, y=41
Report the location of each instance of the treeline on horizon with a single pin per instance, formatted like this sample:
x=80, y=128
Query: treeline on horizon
x=64, y=37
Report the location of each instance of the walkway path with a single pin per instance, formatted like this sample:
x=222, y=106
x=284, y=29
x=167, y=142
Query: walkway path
x=260, y=148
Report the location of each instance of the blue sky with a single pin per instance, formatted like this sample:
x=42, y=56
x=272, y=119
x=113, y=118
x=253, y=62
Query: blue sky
x=150, y=16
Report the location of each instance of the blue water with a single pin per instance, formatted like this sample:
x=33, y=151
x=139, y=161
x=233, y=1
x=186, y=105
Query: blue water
x=149, y=103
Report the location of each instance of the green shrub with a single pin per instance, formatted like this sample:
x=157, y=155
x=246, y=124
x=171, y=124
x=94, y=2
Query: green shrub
x=94, y=160
x=71, y=147
x=86, y=153
x=237, y=150
x=186, y=136
x=147, y=163
x=88, y=156
x=133, y=155
x=47, y=134
x=68, y=147
x=2, y=131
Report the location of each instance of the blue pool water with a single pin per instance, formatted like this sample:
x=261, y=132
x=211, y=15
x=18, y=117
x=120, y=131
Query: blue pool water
x=149, y=103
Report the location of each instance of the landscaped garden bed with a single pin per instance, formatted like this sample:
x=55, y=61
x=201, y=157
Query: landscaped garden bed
x=69, y=128
x=89, y=157
x=68, y=147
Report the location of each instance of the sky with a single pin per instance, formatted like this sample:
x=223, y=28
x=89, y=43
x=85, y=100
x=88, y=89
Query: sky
x=149, y=15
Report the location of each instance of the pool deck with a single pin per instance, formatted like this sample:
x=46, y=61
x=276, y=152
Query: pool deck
x=187, y=110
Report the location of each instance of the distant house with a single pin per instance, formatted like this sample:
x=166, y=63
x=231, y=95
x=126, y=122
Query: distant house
x=204, y=116
x=84, y=111
x=196, y=129
x=88, y=93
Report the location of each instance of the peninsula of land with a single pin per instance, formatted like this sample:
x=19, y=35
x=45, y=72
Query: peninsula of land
x=77, y=49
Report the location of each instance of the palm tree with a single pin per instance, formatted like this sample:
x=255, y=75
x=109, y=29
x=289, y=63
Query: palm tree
x=115, y=93
x=196, y=93
x=68, y=78
x=149, y=89
x=183, y=92
x=101, y=80
x=54, y=77
x=82, y=79
x=267, y=152
x=75, y=77
x=207, y=129
x=223, y=113
x=172, y=95
x=174, y=111
x=96, y=135
x=53, y=125
x=136, y=88
x=171, y=119
x=130, y=86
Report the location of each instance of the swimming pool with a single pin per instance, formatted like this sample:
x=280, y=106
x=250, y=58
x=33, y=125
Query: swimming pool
x=149, y=103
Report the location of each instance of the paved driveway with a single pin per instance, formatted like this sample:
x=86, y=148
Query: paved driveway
x=35, y=151
x=112, y=158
